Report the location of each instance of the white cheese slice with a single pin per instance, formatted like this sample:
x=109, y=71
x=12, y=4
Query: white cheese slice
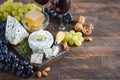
x=15, y=32
x=36, y=58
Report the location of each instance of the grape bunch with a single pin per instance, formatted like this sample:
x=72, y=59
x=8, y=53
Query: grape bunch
x=9, y=61
x=16, y=9
x=73, y=38
x=67, y=17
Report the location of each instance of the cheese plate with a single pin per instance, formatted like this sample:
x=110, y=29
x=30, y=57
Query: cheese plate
x=39, y=48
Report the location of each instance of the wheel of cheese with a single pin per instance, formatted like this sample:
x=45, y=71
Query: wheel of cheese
x=36, y=45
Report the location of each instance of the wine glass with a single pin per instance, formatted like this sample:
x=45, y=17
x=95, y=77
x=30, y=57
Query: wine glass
x=42, y=2
x=61, y=7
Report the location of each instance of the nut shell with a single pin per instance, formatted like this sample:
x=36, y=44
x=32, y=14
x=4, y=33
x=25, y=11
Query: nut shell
x=78, y=27
x=86, y=31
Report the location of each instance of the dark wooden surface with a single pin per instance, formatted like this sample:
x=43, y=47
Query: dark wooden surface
x=96, y=60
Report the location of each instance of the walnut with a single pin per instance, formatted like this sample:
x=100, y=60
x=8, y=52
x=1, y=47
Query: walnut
x=86, y=31
x=81, y=20
x=65, y=46
x=91, y=26
x=78, y=27
x=88, y=39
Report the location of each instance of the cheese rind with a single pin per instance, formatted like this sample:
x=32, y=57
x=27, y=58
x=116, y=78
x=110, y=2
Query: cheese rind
x=15, y=32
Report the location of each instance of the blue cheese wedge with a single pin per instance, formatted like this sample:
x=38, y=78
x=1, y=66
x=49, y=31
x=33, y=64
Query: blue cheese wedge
x=36, y=58
x=48, y=53
x=15, y=32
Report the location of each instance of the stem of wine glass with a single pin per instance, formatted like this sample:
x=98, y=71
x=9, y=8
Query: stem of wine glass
x=61, y=27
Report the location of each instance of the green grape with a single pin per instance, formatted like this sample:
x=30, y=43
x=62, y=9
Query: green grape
x=2, y=8
x=18, y=18
x=33, y=6
x=74, y=38
x=20, y=4
x=5, y=4
x=72, y=32
x=67, y=37
x=15, y=6
x=25, y=10
x=39, y=9
x=20, y=10
x=14, y=13
x=0, y=14
x=28, y=6
x=3, y=18
x=78, y=43
x=9, y=10
x=5, y=14
x=71, y=42
x=81, y=39
x=10, y=1
x=79, y=34
x=20, y=15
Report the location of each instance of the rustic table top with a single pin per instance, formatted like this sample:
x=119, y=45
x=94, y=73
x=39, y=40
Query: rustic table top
x=96, y=60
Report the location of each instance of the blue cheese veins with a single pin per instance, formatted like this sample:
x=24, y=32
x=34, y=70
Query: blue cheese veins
x=15, y=32
x=36, y=58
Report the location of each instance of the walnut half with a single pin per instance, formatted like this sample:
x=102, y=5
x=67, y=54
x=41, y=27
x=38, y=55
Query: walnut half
x=86, y=31
x=78, y=27
x=81, y=20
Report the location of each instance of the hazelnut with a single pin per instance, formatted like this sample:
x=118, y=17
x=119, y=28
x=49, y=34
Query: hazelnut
x=91, y=26
x=44, y=73
x=39, y=74
x=78, y=27
x=86, y=31
x=65, y=46
x=88, y=39
x=47, y=69
x=81, y=20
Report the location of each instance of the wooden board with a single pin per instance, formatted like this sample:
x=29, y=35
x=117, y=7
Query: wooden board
x=46, y=62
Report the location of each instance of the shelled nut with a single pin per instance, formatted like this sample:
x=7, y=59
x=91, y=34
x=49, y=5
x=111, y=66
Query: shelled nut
x=78, y=27
x=39, y=74
x=88, y=39
x=44, y=73
x=81, y=20
x=86, y=31
x=47, y=69
x=65, y=46
x=91, y=26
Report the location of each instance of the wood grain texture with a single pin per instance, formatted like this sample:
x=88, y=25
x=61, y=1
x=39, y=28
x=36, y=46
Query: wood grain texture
x=96, y=60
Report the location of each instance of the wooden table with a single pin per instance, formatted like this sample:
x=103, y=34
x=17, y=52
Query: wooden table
x=96, y=60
